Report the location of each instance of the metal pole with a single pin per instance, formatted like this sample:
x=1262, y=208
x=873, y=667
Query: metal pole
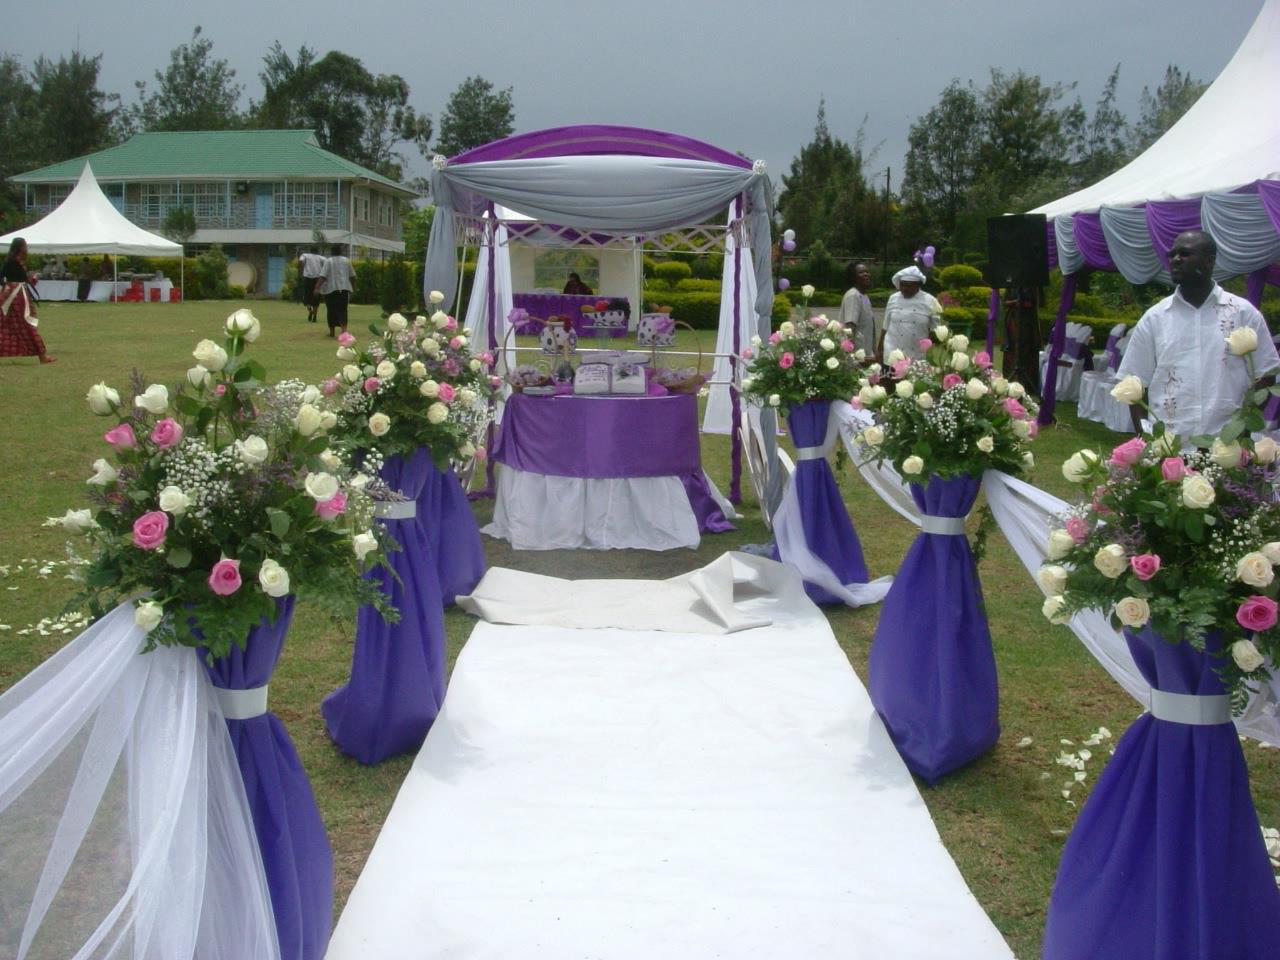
x=884, y=263
x=735, y=398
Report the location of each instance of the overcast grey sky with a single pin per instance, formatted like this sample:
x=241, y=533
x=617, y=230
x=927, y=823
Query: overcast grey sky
x=746, y=75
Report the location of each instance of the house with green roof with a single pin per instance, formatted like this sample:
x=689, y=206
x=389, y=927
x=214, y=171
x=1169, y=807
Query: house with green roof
x=264, y=195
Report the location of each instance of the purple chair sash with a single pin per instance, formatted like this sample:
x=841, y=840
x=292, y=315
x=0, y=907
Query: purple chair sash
x=1166, y=858
x=397, y=669
x=1113, y=353
x=932, y=671
x=445, y=511
x=295, y=849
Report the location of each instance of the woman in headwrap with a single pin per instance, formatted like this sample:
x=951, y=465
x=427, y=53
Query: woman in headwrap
x=18, y=337
x=909, y=315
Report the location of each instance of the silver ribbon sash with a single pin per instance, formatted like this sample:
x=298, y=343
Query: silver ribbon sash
x=242, y=704
x=396, y=510
x=944, y=526
x=1190, y=708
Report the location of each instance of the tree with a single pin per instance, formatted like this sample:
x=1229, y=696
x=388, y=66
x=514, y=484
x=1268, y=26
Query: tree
x=195, y=92
x=21, y=152
x=1159, y=111
x=73, y=116
x=1022, y=130
x=416, y=230
x=179, y=224
x=1101, y=145
x=475, y=115
x=942, y=158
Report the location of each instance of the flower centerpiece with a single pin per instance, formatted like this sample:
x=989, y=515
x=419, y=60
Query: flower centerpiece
x=802, y=360
x=220, y=496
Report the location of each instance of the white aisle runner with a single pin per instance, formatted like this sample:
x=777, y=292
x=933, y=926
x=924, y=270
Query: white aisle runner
x=613, y=794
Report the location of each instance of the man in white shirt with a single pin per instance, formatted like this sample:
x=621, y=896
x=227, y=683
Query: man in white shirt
x=855, y=311
x=336, y=285
x=1179, y=350
x=311, y=266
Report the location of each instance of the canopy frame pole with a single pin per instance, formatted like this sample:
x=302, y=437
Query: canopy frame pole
x=735, y=396
x=115, y=277
x=491, y=309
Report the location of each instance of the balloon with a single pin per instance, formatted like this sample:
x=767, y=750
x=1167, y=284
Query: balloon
x=783, y=283
x=927, y=259
x=788, y=245
x=930, y=251
x=788, y=235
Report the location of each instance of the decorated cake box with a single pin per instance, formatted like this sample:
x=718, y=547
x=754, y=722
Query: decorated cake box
x=628, y=379
x=591, y=378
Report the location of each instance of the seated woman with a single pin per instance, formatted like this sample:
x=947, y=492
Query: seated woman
x=576, y=286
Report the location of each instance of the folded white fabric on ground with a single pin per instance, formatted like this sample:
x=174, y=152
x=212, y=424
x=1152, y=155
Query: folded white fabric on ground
x=630, y=795
x=699, y=602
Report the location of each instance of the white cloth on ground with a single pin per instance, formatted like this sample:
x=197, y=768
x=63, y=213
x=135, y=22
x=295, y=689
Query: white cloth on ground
x=908, y=320
x=636, y=794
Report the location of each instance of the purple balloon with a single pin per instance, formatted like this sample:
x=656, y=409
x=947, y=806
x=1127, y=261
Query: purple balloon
x=783, y=283
x=788, y=245
x=927, y=259
x=929, y=252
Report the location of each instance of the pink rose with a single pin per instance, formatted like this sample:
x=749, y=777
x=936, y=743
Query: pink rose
x=495, y=382
x=446, y=393
x=1014, y=409
x=1257, y=613
x=786, y=360
x=372, y=384
x=1173, y=469
x=346, y=339
x=982, y=359
x=855, y=403
x=1077, y=529
x=873, y=379
x=951, y=380
x=149, y=529
x=1128, y=453
x=450, y=323
x=220, y=389
x=455, y=343
x=1144, y=565
x=847, y=345
x=747, y=353
x=328, y=509
x=166, y=433
x=775, y=337
x=900, y=368
x=224, y=578
x=451, y=367
x=924, y=343
x=486, y=357
x=818, y=321
x=481, y=453
x=1033, y=427
x=121, y=437
x=329, y=387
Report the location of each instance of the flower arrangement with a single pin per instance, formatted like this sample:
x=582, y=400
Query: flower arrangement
x=947, y=414
x=810, y=359
x=415, y=384
x=220, y=496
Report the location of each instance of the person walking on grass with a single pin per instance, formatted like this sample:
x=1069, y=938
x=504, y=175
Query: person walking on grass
x=336, y=284
x=18, y=320
x=311, y=270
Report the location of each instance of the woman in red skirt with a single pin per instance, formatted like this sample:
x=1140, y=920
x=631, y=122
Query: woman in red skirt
x=18, y=337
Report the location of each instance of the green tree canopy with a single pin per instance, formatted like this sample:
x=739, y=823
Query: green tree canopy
x=1159, y=111
x=196, y=91
x=475, y=114
x=942, y=159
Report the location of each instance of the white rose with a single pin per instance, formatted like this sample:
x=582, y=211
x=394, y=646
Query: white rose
x=104, y=473
x=1111, y=560
x=429, y=389
x=941, y=334
x=924, y=401
x=826, y=343
x=832, y=363
x=986, y=444
x=434, y=297
x=474, y=366
x=1000, y=386
x=209, y=355
x=147, y=614
x=386, y=370
x=307, y=421
x=1128, y=390
x=959, y=361
x=867, y=396
x=1244, y=653
x=1133, y=611
x=77, y=521
x=835, y=327
x=1060, y=544
x=806, y=291
x=359, y=481
x=173, y=500
x=774, y=400
x=431, y=347
x=102, y=399
x=255, y=329
x=311, y=394
x=874, y=368
x=252, y=450
x=1225, y=454
x=975, y=389
x=352, y=374
x=1021, y=429
x=912, y=465
x=1197, y=492
x=1053, y=609
x=747, y=382
x=379, y=424
x=155, y=399
x=273, y=578
x=321, y=486
x=1016, y=390
x=345, y=353
x=1242, y=340
x=1265, y=449
x=880, y=392
x=330, y=459
x=417, y=370
x=1078, y=465
x=1272, y=552
x=240, y=322
x=437, y=413
x=959, y=343
x=439, y=319
x=873, y=436
x=755, y=340
x=328, y=420
x=466, y=396
x=787, y=329
x=397, y=323
x=1028, y=460
x=904, y=388
x=1053, y=579
x=1254, y=569
x=896, y=355
x=467, y=449
x=363, y=544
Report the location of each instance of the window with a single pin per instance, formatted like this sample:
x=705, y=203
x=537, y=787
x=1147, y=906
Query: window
x=362, y=206
x=157, y=199
x=208, y=201
x=58, y=192
x=385, y=212
x=306, y=202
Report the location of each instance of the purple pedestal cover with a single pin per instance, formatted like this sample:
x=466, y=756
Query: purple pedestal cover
x=932, y=671
x=828, y=530
x=295, y=849
x=1166, y=859
x=397, y=669
x=452, y=533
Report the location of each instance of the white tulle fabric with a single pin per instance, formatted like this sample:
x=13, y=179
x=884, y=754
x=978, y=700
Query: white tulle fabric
x=124, y=828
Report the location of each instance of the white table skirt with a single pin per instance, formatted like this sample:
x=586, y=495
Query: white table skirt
x=534, y=511
x=99, y=290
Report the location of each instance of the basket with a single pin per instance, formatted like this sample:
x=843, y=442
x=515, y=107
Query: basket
x=689, y=384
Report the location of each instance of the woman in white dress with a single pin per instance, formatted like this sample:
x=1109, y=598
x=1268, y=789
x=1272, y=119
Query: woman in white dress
x=909, y=315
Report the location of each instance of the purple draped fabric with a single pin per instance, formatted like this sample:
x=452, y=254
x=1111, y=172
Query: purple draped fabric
x=1058, y=339
x=1255, y=286
x=599, y=139
x=993, y=314
x=828, y=530
x=1091, y=241
x=1051, y=242
x=541, y=306
x=1112, y=353
x=1269, y=194
x=295, y=849
x=1166, y=859
x=711, y=518
x=932, y=672
x=445, y=512
x=735, y=398
x=1168, y=218
x=397, y=669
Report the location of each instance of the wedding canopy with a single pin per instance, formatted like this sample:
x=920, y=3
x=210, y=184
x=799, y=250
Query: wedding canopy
x=1216, y=169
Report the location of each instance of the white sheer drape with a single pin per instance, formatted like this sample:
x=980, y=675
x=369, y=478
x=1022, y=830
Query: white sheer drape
x=718, y=415
x=124, y=829
x=477, y=318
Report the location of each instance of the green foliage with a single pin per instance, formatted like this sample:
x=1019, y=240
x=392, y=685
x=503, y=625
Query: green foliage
x=207, y=276
x=195, y=91
x=823, y=271
x=648, y=264
x=966, y=320
x=397, y=292
x=672, y=272
x=475, y=114
x=942, y=157
x=703, y=286
x=709, y=266
x=959, y=275
x=415, y=226
x=1159, y=111
x=179, y=224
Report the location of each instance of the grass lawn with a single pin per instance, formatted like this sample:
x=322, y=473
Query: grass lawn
x=1003, y=818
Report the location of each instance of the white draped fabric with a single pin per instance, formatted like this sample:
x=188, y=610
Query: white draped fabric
x=635, y=794
x=1070, y=259
x=124, y=829
x=719, y=412
x=477, y=318
x=1246, y=237
x=1129, y=243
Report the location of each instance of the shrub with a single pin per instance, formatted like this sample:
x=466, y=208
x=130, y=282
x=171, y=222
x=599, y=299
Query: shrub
x=397, y=286
x=959, y=275
x=711, y=266
x=701, y=309
x=1089, y=304
x=672, y=272
x=966, y=320
x=207, y=276
x=700, y=285
x=648, y=263
x=975, y=259
x=975, y=297
x=289, y=287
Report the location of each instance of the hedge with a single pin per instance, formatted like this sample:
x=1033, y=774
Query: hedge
x=701, y=309
x=959, y=275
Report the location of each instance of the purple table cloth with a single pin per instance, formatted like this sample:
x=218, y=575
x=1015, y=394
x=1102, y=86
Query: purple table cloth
x=828, y=529
x=595, y=438
x=932, y=672
x=1166, y=859
x=541, y=306
x=397, y=669
x=295, y=849
x=454, y=536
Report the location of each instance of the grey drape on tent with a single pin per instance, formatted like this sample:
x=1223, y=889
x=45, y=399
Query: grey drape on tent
x=1246, y=238
x=1070, y=259
x=1129, y=243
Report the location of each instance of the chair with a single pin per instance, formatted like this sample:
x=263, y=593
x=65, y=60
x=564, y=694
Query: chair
x=1095, y=385
x=1071, y=364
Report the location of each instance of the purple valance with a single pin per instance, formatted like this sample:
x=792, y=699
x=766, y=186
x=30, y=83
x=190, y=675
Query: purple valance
x=1091, y=241
x=1168, y=218
x=585, y=139
x=1051, y=242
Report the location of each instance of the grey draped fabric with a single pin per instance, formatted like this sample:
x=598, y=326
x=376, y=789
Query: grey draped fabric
x=1247, y=240
x=760, y=212
x=1129, y=243
x=1069, y=257
x=441, y=272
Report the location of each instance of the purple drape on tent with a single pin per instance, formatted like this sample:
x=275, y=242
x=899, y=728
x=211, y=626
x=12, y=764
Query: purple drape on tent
x=1269, y=194
x=445, y=512
x=598, y=139
x=1051, y=242
x=295, y=850
x=932, y=672
x=397, y=669
x=1168, y=218
x=1091, y=241
x=1166, y=859
x=1058, y=340
x=828, y=530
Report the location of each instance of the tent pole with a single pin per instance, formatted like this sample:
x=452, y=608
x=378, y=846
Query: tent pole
x=735, y=398
x=182, y=276
x=491, y=233
x=115, y=277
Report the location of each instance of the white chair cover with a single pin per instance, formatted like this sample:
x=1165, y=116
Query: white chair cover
x=1069, y=368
